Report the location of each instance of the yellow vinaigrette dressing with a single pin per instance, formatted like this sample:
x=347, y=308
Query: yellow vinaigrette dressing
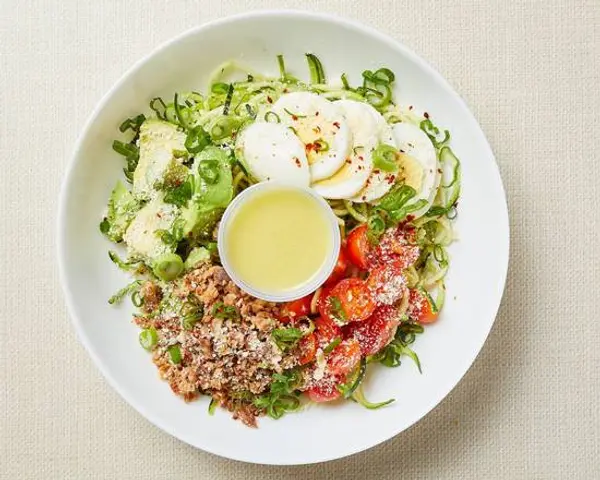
x=278, y=240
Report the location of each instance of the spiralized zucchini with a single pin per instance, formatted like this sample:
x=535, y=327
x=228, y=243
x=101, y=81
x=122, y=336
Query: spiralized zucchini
x=238, y=96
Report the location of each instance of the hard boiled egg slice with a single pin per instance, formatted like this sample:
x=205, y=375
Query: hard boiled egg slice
x=352, y=177
x=271, y=151
x=420, y=155
x=379, y=182
x=321, y=127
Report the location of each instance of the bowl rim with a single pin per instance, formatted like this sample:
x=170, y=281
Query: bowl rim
x=62, y=254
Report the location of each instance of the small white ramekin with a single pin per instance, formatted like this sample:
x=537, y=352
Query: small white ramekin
x=305, y=289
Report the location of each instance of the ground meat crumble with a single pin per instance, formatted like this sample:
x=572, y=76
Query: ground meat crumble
x=229, y=359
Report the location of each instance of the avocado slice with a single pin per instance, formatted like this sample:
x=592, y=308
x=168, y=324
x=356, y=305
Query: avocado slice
x=161, y=162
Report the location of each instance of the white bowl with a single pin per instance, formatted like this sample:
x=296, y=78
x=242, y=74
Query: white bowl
x=325, y=432
x=304, y=289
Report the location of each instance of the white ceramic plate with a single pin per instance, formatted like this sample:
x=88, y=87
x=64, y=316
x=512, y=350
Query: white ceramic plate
x=320, y=433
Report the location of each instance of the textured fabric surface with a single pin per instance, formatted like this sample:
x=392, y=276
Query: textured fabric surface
x=527, y=409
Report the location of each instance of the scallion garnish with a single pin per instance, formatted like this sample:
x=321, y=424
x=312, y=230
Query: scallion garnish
x=133, y=123
x=281, y=63
x=159, y=107
x=168, y=266
x=286, y=338
x=315, y=67
x=227, y=104
x=337, y=309
x=175, y=354
x=334, y=343
x=294, y=115
x=321, y=145
x=196, y=140
x=148, y=338
x=209, y=170
x=180, y=112
x=345, y=82
x=181, y=194
x=219, y=88
x=385, y=158
x=228, y=312
x=282, y=396
x=272, y=117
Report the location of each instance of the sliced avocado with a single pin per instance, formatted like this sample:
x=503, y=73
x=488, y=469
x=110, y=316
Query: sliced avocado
x=196, y=257
x=122, y=208
x=141, y=236
x=161, y=162
x=199, y=223
x=215, y=186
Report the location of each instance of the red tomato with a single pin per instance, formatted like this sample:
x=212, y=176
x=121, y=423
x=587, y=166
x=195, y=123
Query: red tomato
x=325, y=390
x=344, y=358
x=349, y=301
x=339, y=270
x=420, y=308
x=358, y=247
x=395, y=245
x=308, y=349
x=387, y=283
x=296, y=309
x=326, y=331
x=376, y=331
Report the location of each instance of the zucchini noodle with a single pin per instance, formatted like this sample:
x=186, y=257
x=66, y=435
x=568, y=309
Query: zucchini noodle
x=239, y=95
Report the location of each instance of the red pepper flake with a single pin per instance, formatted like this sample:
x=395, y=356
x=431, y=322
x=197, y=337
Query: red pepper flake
x=316, y=114
x=426, y=115
x=309, y=146
x=376, y=171
x=336, y=124
x=410, y=108
x=364, y=198
x=361, y=158
x=285, y=90
x=294, y=118
x=390, y=179
x=439, y=170
x=348, y=161
x=297, y=160
x=360, y=167
x=410, y=218
x=269, y=99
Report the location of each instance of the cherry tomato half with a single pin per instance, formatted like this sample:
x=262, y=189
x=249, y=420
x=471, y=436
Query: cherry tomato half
x=344, y=358
x=339, y=270
x=349, y=301
x=295, y=309
x=376, y=331
x=358, y=247
x=420, y=308
x=326, y=331
x=308, y=349
x=387, y=282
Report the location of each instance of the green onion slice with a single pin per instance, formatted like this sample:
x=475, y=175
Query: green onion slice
x=159, y=107
x=175, y=354
x=384, y=158
x=272, y=117
x=209, y=170
x=148, y=338
x=168, y=266
x=196, y=140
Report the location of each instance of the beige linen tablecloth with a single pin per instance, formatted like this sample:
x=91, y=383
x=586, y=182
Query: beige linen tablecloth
x=528, y=408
